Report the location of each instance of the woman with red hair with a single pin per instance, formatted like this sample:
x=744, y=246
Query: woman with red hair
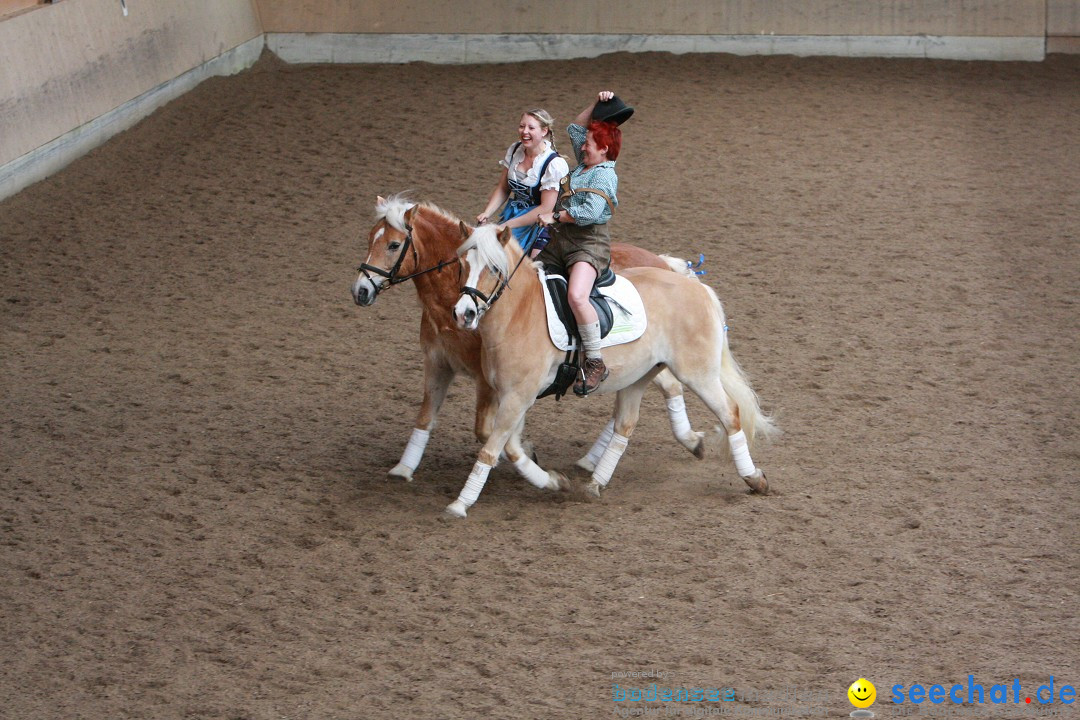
x=580, y=242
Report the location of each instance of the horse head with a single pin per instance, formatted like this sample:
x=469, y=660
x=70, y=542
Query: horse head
x=486, y=261
x=391, y=254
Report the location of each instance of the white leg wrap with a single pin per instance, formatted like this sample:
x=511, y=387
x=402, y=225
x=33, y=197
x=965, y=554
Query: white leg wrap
x=415, y=449
x=610, y=459
x=741, y=453
x=474, y=484
x=676, y=410
x=532, y=472
x=601, y=443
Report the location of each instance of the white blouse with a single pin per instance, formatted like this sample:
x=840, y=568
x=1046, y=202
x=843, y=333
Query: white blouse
x=556, y=169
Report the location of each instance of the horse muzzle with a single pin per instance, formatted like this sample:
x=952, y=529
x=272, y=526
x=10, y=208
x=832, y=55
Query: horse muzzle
x=466, y=314
x=364, y=291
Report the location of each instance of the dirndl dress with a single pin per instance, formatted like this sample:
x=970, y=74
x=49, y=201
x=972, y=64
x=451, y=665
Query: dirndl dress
x=523, y=198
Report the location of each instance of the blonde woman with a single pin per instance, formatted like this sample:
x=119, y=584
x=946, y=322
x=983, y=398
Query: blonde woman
x=529, y=185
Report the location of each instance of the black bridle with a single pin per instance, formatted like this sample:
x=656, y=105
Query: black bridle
x=392, y=276
x=500, y=286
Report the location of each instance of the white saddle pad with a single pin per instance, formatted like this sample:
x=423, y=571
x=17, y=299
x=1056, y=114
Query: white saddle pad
x=628, y=314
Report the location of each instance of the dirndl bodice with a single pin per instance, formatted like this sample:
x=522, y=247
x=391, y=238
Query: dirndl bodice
x=523, y=198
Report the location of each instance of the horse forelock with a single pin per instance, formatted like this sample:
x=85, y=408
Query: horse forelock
x=489, y=251
x=392, y=210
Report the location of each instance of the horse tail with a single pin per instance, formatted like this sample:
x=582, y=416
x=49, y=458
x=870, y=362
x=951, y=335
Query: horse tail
x=680, y=266
x=755, y=422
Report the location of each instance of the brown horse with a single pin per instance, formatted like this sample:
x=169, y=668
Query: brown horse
x=686, y=333
x=419, y=242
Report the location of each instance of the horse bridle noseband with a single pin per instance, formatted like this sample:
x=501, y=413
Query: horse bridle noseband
x=392, y=277
x=489, y=300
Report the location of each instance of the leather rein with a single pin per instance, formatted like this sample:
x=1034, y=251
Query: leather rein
x=503, y=284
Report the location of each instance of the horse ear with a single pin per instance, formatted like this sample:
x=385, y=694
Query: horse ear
x=505, y=235
x=410, y=213
x=466, y=231
x=380, y=200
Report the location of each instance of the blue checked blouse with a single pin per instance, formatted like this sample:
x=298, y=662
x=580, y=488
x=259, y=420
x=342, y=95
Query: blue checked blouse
x=590, y=208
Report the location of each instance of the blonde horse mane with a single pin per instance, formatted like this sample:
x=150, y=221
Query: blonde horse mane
x=490, y=252
x=393, y=209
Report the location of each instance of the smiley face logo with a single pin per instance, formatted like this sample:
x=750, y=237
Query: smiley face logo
x=862, y=693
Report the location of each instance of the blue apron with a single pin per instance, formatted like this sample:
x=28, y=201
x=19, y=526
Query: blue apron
x=524, y=198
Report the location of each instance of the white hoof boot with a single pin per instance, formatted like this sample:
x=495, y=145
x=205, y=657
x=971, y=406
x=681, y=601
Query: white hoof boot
x=593, y=488
x=456, y=509
x=401, y=471
x=586, y=464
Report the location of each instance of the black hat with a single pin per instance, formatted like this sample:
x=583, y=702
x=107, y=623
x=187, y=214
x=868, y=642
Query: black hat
x=613, y=110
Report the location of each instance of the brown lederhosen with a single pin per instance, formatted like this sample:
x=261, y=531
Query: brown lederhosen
x=572, y=243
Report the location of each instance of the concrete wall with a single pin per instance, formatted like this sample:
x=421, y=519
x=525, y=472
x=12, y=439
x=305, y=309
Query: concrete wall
x=986, y=18
x=1063, y=26
x=497, y=30
x=74, y=72
x=10, y=7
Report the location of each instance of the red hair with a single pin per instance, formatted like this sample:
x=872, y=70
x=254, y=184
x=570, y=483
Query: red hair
x=607, y=134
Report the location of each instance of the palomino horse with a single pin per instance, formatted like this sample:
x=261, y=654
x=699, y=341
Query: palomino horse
x=419, y=242
x=686, y=333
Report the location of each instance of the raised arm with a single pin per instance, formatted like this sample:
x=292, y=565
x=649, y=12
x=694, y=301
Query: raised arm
x=585, y=115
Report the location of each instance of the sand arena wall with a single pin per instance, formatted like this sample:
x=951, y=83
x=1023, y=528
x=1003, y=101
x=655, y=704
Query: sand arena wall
x=492, y=30
x=1063, y=26
x=75, y=72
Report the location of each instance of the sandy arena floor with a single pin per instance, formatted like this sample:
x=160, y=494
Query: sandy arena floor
x=197, y=421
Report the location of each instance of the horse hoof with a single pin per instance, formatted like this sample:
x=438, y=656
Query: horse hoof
x=699, y=449
x=593, y=488
x=557, y=481
x=758, y=482
x=456, y=509
x=402, y=472
x=586, y=464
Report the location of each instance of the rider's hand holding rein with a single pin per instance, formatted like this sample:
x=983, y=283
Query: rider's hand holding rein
x=550, y=219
